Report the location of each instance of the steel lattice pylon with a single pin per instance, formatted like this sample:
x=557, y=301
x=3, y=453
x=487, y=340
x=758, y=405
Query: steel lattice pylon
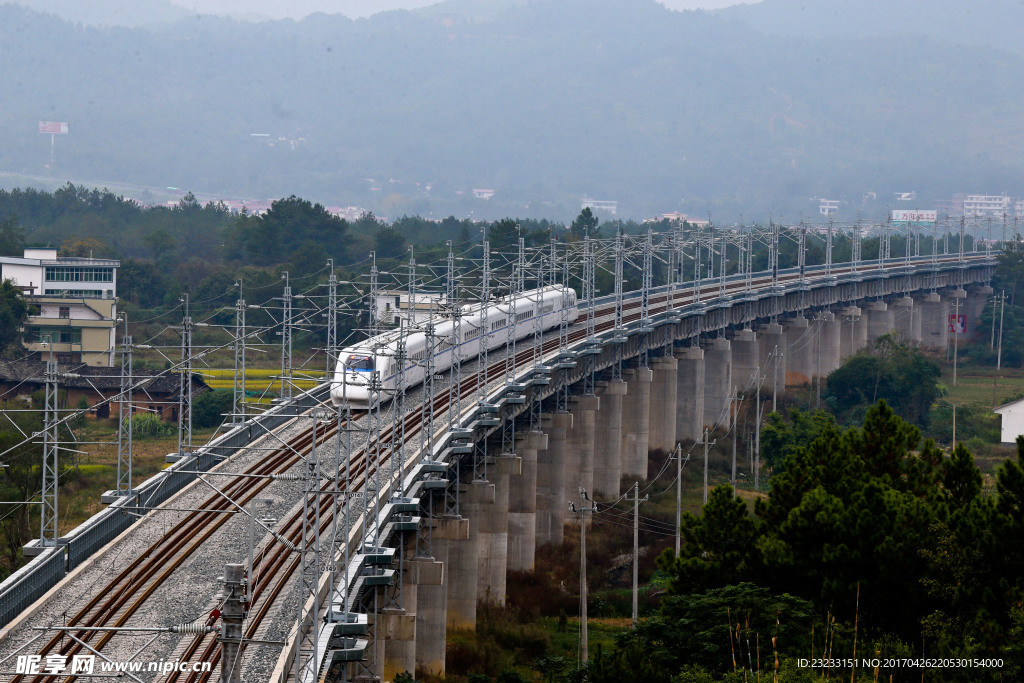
x=124, y=422
x=286, y=339
x=185, y=385
x=49, y=529
x=307, y=659
x=238, y=397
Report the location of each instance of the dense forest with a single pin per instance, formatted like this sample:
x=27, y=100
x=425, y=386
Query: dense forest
x=545, y=102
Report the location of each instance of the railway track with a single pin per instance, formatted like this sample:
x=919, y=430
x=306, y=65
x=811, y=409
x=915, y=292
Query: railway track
x=275, y=563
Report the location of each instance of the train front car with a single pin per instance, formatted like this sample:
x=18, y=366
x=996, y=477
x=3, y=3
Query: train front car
x=359, y=370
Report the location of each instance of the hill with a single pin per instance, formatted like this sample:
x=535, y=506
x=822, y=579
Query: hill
x=543, y=102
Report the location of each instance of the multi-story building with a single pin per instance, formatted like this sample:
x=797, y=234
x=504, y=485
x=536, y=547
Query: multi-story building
x=76, y=302
x=987, y=206
x=982, y=206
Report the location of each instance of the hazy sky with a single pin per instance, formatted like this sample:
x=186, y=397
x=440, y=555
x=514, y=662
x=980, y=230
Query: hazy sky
x=296, y=9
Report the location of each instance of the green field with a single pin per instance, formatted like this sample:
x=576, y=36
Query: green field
x=980, y=391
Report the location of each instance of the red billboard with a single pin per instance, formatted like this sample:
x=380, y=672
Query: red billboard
x=958, y=323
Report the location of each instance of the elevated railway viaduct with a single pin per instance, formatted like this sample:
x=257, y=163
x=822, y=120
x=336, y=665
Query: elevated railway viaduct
x=406, y=525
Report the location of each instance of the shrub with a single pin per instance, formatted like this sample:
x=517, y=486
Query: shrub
x=148, y=425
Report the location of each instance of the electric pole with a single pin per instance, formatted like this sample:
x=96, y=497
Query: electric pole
x=636, y=548
x=707, y=444
x=1002, y=308
x=583, y=510
x=679, y=495
x=956, y=339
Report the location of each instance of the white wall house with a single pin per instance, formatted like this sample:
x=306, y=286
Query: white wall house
x=1013, y=420
x=77, y=302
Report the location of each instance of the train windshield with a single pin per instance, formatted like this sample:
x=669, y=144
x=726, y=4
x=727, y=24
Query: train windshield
x=360, y=363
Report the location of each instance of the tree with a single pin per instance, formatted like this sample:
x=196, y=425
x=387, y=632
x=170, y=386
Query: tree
x=889, y=369
x=14, y=309
x=209, y=408
x=504, y=235
x=388, y=242
x=719, y=548
x=12, y=237
x=780, y=436
x=585, y=224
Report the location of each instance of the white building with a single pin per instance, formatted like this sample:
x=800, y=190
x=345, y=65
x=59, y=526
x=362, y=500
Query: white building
x=827, y=207
x=396, y=307
x=1013, y=420
x=77, y=302
x=609, y=206
x=987, y=206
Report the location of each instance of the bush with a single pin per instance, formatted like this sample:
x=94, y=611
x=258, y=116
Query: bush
x=209, y=408
x=148, y=425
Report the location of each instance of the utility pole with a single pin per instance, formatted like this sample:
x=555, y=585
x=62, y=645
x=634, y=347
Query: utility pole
x=583, y=510
x=817, y=359
x=735, y=411
x=956, y=339
x=775, y=380
x=679, y=494
x=757, y=432
x=707, y=445
x=1002, y=308
x=636, y=548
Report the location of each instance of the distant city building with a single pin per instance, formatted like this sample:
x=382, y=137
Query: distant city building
x=483, y=194
x=77, y=302
x=905, y=196
x=676, y=217
x=827, y=207
x=987, y=206
x=982, y=206
x=611, y=207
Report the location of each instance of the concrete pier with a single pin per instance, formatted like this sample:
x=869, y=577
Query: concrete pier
x=690, y=394
x=717, y=382
x=551, y=501
x=522, y=503
x=828, y=343
x=903, y=318
x=771, y=337
x=454, y=546
x=636, y=413
x=847, y=318
x=663, y=403
x=934, y=321
x=396, y=641
x=608, y=438
x=492, y=561
x=746, y=356
x=800, y=350
x=476, y=500
x=977, y=299
x=880, y=320
x=860, y=331
x=579, y=451
x=424, y=577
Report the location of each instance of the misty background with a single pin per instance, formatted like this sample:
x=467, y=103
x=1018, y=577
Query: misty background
x=745, y=110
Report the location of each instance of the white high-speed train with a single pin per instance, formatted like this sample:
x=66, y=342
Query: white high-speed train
x=357, y=364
